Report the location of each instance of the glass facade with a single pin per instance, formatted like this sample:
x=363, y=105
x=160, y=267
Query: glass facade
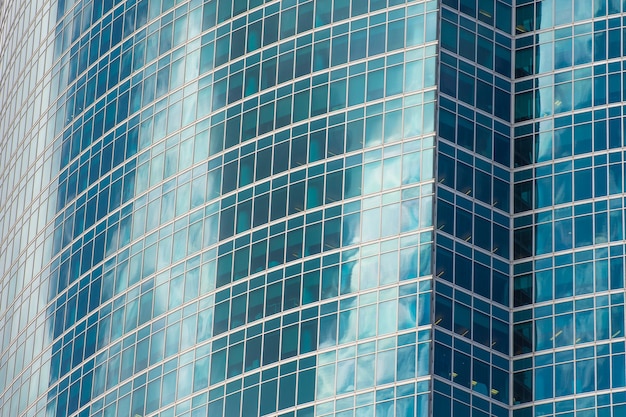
x=472, y=272
x=308, y=208
x=568, y=253
x=217, y=207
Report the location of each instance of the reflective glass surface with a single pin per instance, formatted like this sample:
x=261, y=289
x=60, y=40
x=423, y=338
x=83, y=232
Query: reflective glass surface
x=568, y=320
x=217, y=207
x=472, y=286
x=305, y=208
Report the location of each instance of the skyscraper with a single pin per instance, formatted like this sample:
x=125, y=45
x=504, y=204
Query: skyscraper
x=568, y=230
x=311, y=208
x=216, y=207
x=554, y=142
x=472, y=346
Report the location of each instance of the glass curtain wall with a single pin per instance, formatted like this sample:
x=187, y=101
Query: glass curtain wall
x=568, y=209
x=217, y=207
x=472, y=291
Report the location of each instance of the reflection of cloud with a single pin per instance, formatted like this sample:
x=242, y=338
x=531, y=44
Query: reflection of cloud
x=372, y=174
x=369, y=272
x=615, y=180
x=387, y=317
x=194, y=242
x=411, y=164
x=389, y=221
x=582, y=49
x=561, y=191
x=351, y=229
x=391, y=173
x=388, y=267
x=345, y=376
x=99, y=377
x=185, y=378
x=325, y=381
x=407, y=313
x=423, y=359
x=367, y=321
x=408, y=263
x=385, y=409
x=393, y=127
x=410, y=215
x=544, y=59
x=347, y=326
x=160, y=298
x=426, y=217
x=406, y=362
x=413, y=121
x=385, y=367
x=371, y=225
x=365, y=372
x=190, y=105
x=328, y=331
x=349, y=277
x=585, y=375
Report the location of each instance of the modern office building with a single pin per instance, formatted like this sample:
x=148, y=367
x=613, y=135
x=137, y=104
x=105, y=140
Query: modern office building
x=312, y=208
x=530, y=108
x=568, y=226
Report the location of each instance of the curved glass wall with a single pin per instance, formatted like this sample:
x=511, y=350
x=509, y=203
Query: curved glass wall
x=229, y=207
x=218, y=207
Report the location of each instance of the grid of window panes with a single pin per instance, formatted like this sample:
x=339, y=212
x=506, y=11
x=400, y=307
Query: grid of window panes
x=235, y=192
x=568, y=205
x=27, y=202
x=471, y=347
